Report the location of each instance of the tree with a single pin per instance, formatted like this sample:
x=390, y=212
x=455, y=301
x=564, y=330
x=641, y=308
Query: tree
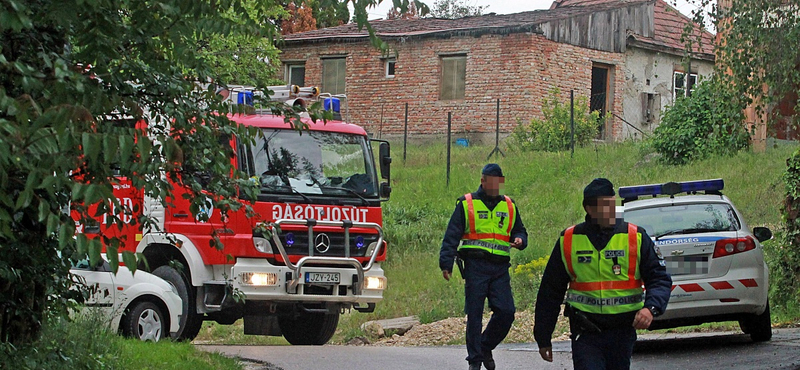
x=755, y=58
x=330, y=13
x=453, y=9
x=300, y=18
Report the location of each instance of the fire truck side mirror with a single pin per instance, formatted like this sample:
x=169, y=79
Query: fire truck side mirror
x=385, y=160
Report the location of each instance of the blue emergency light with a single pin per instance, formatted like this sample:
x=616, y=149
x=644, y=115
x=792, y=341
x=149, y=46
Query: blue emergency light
x=671, y=188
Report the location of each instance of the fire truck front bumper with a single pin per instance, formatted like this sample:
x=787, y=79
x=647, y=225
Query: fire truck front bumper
x=261, y=281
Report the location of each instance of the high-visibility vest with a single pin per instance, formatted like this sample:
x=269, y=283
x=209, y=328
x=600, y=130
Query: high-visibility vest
x=606, y=281
x=488, y=230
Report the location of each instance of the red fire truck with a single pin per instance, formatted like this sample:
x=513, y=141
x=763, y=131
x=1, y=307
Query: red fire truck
x=320, y=195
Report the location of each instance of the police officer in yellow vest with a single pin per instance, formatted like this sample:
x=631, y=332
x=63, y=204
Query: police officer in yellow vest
x=615, y=282
x=487, y=225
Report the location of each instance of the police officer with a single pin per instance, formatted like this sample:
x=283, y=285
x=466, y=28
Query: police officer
x=601, y=264
x=487, y=225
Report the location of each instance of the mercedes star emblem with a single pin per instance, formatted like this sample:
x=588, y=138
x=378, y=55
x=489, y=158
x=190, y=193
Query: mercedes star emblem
x=322, y=243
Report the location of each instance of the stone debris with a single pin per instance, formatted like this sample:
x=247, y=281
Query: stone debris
x=452, y=331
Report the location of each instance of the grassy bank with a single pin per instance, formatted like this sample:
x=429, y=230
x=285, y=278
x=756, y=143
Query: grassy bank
x=547, y=188
x=87, y=344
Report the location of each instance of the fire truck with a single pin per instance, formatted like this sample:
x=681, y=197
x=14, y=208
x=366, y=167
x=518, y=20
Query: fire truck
x=320, y=199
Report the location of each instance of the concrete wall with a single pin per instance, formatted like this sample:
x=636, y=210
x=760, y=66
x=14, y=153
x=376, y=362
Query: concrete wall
x=519, y=69
x=647, y=71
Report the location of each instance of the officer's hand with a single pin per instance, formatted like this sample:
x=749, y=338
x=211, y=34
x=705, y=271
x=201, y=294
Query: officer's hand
x=446, y=275
x=643, y=319
x=546, y=353
x=517, y=243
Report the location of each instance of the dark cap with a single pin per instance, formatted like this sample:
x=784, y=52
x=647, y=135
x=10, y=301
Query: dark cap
x=599, y=187
x=492, y=169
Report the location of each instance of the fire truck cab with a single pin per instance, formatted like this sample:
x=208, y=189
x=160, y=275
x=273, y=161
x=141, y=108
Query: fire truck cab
x=320, y=203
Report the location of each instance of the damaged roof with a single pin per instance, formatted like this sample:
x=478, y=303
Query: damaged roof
x=477, y=25
x=669, y=24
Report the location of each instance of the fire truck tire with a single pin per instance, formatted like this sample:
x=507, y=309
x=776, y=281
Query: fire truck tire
x=191, y=321
x=309, y=328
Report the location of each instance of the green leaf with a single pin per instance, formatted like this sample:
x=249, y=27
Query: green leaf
x=24, y=199
x=82, y=244
x=44, y=210
x=112, y=254
x=125, y=148
x=91, y=146
x=110, y=143
x=129, y=258
x=95, y=247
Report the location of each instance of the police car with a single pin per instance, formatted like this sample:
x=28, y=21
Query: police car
x=716, y=261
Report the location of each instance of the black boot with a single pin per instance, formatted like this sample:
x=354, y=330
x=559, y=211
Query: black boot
x=488, y=360
x=475, y=366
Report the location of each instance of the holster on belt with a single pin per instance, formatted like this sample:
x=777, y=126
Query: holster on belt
x=460, y=264
x=579, y=323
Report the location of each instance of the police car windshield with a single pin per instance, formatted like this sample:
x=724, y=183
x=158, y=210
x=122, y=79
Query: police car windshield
x=684, y=219
x=312, y=162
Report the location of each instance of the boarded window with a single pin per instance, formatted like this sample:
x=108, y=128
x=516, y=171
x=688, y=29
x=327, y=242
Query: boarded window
x=296, y=74
x=454, y=76
x=333, y=73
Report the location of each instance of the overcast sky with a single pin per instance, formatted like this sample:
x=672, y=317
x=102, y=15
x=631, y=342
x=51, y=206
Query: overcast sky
x=508, y=6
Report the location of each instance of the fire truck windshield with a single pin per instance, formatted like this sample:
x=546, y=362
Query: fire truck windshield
x=312, y=163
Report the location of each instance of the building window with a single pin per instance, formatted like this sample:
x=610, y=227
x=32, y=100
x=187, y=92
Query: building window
x=333, y=73
x=454, y=76
x=296, y=74
x=390, y=64
x=681, y=82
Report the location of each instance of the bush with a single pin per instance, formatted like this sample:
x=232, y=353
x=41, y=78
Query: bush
x=553, y=133
x=710, y=122
x=784, y=258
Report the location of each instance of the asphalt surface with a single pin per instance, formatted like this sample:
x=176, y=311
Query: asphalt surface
x=728, y=350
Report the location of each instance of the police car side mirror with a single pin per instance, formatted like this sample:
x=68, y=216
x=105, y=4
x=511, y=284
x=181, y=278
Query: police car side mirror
x=762, y=233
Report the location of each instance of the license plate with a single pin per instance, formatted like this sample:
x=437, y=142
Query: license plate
x=687, y=265
x=322, y=277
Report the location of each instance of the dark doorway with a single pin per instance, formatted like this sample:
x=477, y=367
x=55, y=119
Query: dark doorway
x=599, y=97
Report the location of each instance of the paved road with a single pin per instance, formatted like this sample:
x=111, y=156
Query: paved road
x=653, y=351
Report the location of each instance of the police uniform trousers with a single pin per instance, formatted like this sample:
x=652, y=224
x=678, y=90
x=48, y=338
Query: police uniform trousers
x=485, y=279
x=608, y=350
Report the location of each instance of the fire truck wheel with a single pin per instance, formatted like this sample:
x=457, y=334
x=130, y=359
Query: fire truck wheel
x=191, y=321
x=309, y=328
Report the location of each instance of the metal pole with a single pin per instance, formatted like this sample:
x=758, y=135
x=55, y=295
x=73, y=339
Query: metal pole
x=405, y=135
x=572, y=121
x=449, y=125
x=496, y=135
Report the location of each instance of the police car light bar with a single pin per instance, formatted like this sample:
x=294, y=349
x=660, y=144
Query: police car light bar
x=671, y=188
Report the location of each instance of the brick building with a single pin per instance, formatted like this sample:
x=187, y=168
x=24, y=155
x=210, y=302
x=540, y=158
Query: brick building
x=625, y=55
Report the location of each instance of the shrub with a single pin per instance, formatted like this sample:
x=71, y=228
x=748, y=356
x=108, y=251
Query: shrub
x=709, y=122
x=553, y=133
x=784, y=258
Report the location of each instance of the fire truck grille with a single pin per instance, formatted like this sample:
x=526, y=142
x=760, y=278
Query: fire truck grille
x=326, y=244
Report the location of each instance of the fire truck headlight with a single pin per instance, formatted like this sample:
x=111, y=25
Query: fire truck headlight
x=375, y=282
x=262, y=245
x=371, y=249
x=259, y=278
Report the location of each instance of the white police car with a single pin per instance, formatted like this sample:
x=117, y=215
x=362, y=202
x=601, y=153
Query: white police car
x=140, y=305
x=715, y=260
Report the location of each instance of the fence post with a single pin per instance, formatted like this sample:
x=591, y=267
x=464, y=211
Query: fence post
x=405, y=135
x=449, y=125
x=497, y=135
x=572, y=122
